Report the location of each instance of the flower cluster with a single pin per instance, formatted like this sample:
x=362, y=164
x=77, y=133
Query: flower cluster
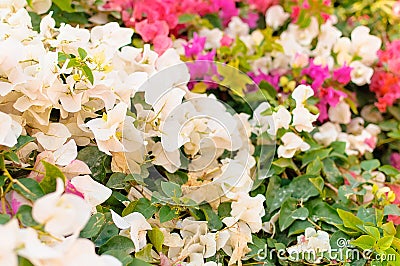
x=196, y=134
x=385, y=82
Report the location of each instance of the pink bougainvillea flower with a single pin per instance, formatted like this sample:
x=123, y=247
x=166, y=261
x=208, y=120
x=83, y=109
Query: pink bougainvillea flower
x=150, y=30
x=396, y=189
x=226, y=41
x=270, y=78
x=195, y=46
x=317, y=73
x=328, y=97
x=395, y=160
x=342, y=74
x=262, y=5
x=251, y=19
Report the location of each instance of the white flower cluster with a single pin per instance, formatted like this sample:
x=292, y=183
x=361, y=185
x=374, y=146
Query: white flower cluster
x=63, y=217
x=358, y=139
x=300, y=118
x=312, y=244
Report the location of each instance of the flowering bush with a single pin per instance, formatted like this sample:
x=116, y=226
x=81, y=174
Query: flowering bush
x=199, y=132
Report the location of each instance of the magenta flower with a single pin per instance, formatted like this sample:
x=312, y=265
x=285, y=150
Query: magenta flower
x=342, y=74
x=195, y=46
x=317, y=73
x=328, y=97
x=395, y=160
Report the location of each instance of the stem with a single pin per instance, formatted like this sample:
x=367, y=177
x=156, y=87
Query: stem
x=16, y=181
x=313, y=223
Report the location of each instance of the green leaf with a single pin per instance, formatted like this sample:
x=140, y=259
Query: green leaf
x=290, y=213
x=370, y=165
x=172, y=190
x=350, y=220
x=24, y=262
x=11, y=156
x=145, y=253
x=322, y=211
x=35, y=191
x=106, y=232
x=389, y=229
x=384, y=243
x=302, y=188
x=310, y=156
x=299, y=227
x=156, y=238
x=364, y=242
x=178, y=177
x=389, y=170
x=391, y=209
x=94, y=225
x=372, y=231
x=331, y=172
x=318, y=183
x=138, y=262
x=22, y=141
x=214, y=222
x=141, y=205
x=82, y=53
x=97, y=161
x=121, y=255
x=88, y=73
x=4, y=218
x=49, y=183
x=64, y=5
x=24, y=215
x=315, y=167
x=285, y=163
x=224, y=209
x=119, y=243
x=339, y=146
x=116, y=181
x=339, y=240
x=166, y=214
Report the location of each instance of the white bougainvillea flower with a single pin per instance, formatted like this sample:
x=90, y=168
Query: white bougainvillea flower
x=133, y=225
x=10, y=130
x=115, y=132
x=340, y=113
x=66, y=153
x=40, y=6
x=261, y=122
x=301, y=93
x=276, y=16
x=239, y=236
x=327, y=134
x=303, y=119
x=312, y=242
x=249, y=209
x=237, y=27
x=365, y=45
x=360, y=73
x=111, y=36
x=94, y=192
x=54, y=137
x=213, y=37
x=61, y=214
x=282, y=118
x=291, y=144
x=8, y=242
